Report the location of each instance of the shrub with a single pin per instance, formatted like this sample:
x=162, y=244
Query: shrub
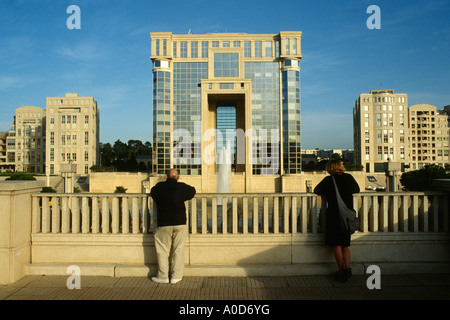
x=422, y=179
x=21, y=176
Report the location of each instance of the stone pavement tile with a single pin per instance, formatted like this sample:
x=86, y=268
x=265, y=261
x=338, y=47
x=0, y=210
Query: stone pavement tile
x=267, y=282
x=98, y=282
x=133, y=282
x=398, y=280
x=308, y=281
x=432, y=279
x=225, y=282
x=7, y=291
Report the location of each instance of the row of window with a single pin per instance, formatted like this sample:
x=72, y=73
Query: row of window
x=69, y=139
x=384, y=99
x=68, y=156
x=52, y=168
x=199, y=49
x=68, y=119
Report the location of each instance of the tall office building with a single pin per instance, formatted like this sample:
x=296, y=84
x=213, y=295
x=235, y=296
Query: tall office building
x=72, y=134
x=380, y=124
x=25, y=143
x=209, y=89
x=429, y=135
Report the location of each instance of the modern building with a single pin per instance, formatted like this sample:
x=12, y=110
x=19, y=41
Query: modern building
x=380, y=124
x=235, y=89
x=25, y=142
x=72, y=133
x=429, y=136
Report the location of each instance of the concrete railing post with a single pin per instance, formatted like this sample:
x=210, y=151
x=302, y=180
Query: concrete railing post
x=15, y=227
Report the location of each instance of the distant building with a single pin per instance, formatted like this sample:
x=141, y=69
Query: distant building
x=25, y=143
x=72, y=134
x=429, y=135
x=380, y=124
x=3, y=165
x=386, y=130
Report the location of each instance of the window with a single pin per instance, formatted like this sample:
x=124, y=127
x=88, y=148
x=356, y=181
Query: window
x=86, y=119
x=86, y=156
x=86, y=138
x=63, y=119
x=226, y=65
x=194, y=49
x=183, y=49
x=74, y=119
x=52, y=154
x=247, y=49
x=204, y=49
x=258, y=49
x=52, y=138
x=268, y=46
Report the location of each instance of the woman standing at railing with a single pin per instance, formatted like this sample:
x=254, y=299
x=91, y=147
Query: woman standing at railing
x=340, y=242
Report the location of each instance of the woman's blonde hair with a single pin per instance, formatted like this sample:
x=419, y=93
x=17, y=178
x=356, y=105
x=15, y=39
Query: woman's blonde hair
x=335, y=167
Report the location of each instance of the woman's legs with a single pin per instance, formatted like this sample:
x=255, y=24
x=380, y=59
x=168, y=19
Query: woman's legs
x=342, y=256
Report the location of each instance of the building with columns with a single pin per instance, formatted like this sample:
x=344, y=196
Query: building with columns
x=235, y=89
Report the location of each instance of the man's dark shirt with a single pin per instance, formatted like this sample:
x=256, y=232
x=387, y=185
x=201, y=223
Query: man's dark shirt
x=170, y=196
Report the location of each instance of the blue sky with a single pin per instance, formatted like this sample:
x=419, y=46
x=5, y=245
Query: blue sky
x=108, y=58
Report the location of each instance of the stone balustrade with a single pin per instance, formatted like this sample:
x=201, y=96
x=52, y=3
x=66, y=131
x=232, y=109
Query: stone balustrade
x=236, y=214
x=229, y=234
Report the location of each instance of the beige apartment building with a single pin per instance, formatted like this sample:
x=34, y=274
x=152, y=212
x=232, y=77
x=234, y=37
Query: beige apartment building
x=25, y=142
x=429, y=136
x=387, y=130
x=72, y=134
x=380, y=124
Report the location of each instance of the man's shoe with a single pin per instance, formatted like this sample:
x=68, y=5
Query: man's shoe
x=158, y=280
x=173, y=281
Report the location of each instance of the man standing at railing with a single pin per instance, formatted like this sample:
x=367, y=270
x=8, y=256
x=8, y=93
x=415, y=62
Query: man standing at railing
x=171, y=231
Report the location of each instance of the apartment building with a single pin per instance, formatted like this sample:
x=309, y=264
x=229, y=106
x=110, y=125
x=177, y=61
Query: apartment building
x=25, y=141
x=72, y=133
x=380, y=124
x=386, y=129
x=429, y=136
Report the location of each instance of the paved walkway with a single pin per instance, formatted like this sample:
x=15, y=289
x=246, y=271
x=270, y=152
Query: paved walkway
x=393, y=287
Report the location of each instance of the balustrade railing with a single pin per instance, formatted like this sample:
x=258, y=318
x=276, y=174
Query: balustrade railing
x=89, y=213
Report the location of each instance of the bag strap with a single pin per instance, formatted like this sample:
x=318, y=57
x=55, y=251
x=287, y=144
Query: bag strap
x=341, y=203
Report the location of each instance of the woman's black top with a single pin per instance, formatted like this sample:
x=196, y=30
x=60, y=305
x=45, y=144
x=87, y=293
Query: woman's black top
x=347, y=186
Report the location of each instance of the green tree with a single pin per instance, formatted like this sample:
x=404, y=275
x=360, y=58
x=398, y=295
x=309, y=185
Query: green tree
x=422, y=179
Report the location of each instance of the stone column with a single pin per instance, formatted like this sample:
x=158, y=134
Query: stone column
x=15, y=227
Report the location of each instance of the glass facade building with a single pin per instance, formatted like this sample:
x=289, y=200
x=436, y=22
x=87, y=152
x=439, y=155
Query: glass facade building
x=246, y=83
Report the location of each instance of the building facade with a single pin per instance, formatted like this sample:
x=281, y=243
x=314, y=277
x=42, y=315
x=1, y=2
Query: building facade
x=72, y=133
x=429, y=136
x=216, y=90
x=25, y=142
x=380, y=124
x=387, y=130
